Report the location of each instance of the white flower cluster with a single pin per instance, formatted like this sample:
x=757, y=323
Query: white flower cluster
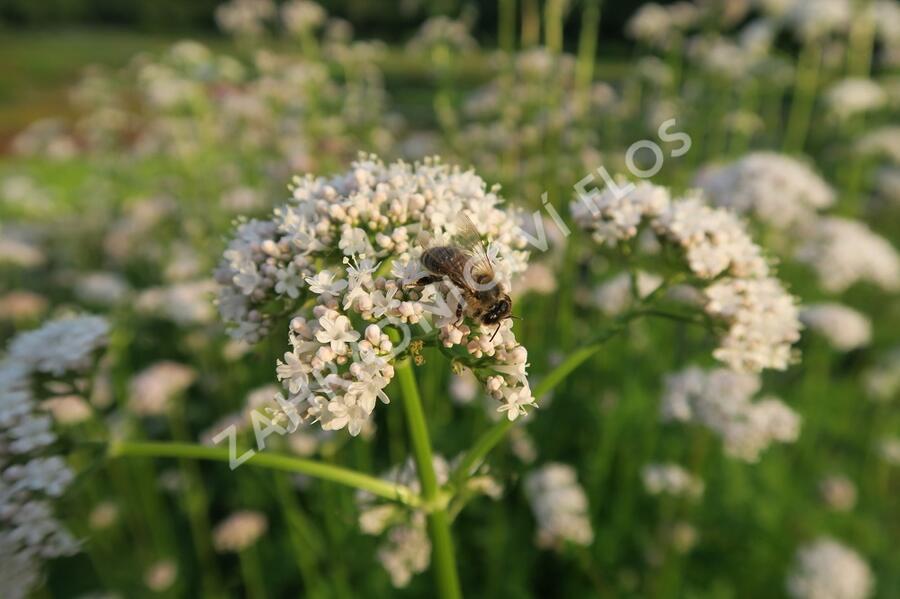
x=844, y=328
x=343, y=256
x=883, y=141
x=301, y=16
x=721, y=400
x=45, y=137
x=671, y=479
x=31, y=476
x=779, y=190
x=152, y=389
x=560, y=506
x=827, y=569
x=190, y=99
x=658, y=25
x=406, y=549
x=728, y=59
x=254, y=18
x=813, y=19
x=67, y=344
x=761, y=316
x=239, y=531
x=443, y=32
x=843, y=252
x=184, y=303
x=245, y=17
x=849, y=97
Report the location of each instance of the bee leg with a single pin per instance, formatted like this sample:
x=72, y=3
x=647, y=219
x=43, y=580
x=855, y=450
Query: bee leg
x=459, y=315
x=426, y=280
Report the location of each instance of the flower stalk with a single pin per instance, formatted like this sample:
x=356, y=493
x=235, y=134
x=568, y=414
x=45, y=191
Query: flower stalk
x=438, y=520
x=330, y=472
x=803, y=97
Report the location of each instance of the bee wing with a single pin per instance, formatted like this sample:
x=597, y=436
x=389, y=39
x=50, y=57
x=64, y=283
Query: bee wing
x=468, y=239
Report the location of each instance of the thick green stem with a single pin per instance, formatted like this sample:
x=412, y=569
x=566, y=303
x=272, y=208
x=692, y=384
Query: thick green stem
x=506, y=25
x=553, y=25
x=438, y=522
x=860, y=47
x=531, y=23
x=343, y=476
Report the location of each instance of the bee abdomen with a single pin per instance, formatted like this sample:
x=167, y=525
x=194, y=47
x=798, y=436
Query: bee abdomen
x=441, y=259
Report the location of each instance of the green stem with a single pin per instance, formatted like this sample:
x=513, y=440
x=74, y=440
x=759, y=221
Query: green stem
x=587, y=46
x=438, y=522
x=803, y=98
x=553, y=25
x=305, y=545
x=252, y=574
x=860, y=47
x=337, y=474
x=506, y=24
x=196, y=506
x=531, y=23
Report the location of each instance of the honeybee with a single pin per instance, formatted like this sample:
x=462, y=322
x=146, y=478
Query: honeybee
x=465, y=262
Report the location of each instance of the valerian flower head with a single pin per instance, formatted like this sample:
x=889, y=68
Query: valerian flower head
x=852, y=96
x=827, y=569
x=779, y=190
x=843, y=252
x=245, y=17
x=721, y=260
x=721, y=400
x=61, y=345
x=342, y=259
x=671, y=479
x=152, y=390
x=32, y=475
x=843, y=327
x=560, y=506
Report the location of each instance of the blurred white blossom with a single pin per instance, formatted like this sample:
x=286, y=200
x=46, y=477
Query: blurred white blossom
x=560, y=506
x=843, y=252
x=779, y=190
x=671, y=479
x=827, y=569
x=843, y=327
x=239, y=531
x=721, y=400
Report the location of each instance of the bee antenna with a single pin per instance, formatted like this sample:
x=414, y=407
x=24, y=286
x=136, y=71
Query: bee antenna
x=497, y=330
x=515, y=317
